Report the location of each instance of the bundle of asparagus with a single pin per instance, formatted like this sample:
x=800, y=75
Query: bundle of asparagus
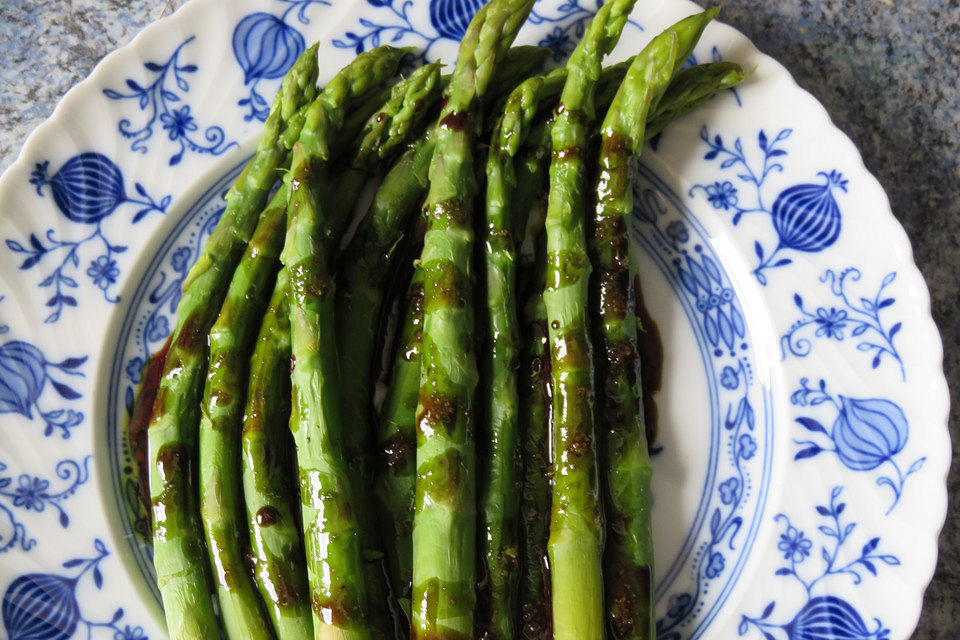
x=503, y=489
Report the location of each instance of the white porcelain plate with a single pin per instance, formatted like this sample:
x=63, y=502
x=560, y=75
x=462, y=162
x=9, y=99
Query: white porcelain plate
x=800, y=470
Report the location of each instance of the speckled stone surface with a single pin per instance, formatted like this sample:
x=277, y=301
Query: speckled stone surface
x=886, y=72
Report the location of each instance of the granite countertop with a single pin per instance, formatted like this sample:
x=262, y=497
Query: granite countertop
x=886, y=72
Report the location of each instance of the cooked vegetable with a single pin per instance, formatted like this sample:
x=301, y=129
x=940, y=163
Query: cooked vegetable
x=178, y=545
x=333, y=539
x=395, y=486
x=499, y=476
x=268, y=467
x=445, y=518
x=576, y=522
x=221, y=411
x=628, y=559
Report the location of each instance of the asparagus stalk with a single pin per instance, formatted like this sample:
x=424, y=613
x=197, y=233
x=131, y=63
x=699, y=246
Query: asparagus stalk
x=221, y=412
x=332, y=505
x=535, y=392
x=445, y=516
x=534, y=602
x=689, y=88
x=269, y=486
x=628, y=559
x=367, y=263
x=576, y=521
x=501, y=470
x=411, y=101
x=178, y=545
x=396, y=483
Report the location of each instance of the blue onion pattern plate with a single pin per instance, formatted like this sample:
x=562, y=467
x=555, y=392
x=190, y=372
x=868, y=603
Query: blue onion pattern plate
x=800, y=468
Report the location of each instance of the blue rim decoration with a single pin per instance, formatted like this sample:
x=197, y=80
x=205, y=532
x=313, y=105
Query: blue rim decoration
x=737, y=484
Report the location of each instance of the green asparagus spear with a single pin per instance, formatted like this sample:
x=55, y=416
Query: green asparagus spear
x=535, y=391
x=231, y=343
x=531, y=167
x=267, y=466
x=412, y=99
x=366, y=263
x=628, y=559
x=689, y=89
x=500, y=471
x=445, y=517
x=395, y=485
x=268, y=458
x=340, y=594
x=576, y=521
x=178, y=545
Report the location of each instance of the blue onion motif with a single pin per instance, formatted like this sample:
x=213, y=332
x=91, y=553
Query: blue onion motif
x=24, y=373
x=87, y=188
x=868, y=433
x=451, y=17
x=22, y=376
x=266, y=46
x=831, y=618
x=41, y=607
x=807, y=217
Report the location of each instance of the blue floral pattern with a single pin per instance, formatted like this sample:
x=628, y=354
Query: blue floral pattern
x=163, y=101
x=823, y=617
x=805, y=217
x=44, y=606
x=87, y=189
x=266, y=46
x=34, y=493
x=866, y=434
x=861, y=316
